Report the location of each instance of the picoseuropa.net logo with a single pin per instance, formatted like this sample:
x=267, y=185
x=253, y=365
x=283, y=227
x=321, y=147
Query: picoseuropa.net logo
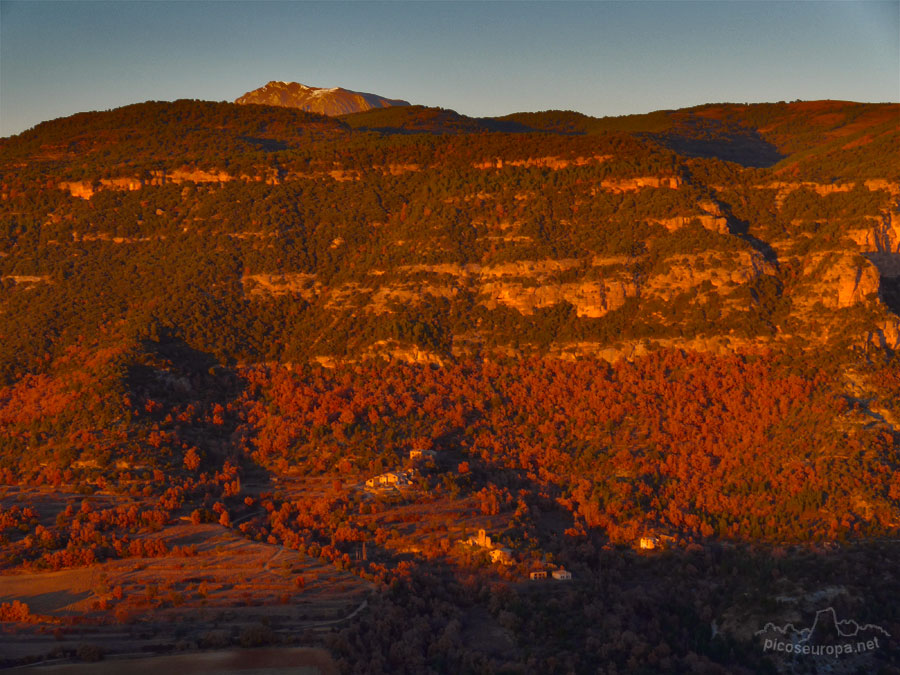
x=826, y=637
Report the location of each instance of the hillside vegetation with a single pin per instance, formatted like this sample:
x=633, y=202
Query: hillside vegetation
x=678, y=326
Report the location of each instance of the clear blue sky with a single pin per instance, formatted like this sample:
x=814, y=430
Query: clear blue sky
x=600, y=58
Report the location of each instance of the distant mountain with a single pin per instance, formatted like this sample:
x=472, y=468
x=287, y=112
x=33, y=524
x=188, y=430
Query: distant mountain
x=331, y=102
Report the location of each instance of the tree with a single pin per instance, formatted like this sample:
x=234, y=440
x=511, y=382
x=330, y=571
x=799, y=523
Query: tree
x=192, y=460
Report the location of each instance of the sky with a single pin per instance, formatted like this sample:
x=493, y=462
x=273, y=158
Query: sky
x=478, y=58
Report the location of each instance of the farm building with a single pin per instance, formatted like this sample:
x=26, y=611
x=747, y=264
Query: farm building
x=389, y=478
x=648, y=543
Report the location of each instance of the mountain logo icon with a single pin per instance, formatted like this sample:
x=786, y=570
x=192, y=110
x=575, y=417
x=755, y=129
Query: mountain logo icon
x=827, y=636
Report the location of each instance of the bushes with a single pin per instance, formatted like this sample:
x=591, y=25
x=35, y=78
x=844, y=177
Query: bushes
x=17, y=612
x=257, y=635
x=90, y=653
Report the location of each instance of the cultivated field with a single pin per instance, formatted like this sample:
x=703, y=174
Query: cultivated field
x=232, y=591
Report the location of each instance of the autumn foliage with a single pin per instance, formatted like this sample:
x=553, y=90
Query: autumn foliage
x=744, y=447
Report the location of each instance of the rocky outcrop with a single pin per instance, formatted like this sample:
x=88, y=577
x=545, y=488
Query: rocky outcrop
x=406, y=293
x=714, y=223
x=631, y=184
x=828, y=280
x=190, y=175
x=81, y=188
x=103, y=236
x=87, y=189
x=882, y=237
x=590, y=298
x=298, y=283
x=398, y=169
x=408, y=353
x=836, y=280
x=531, y=268
x=632, y=349
x=25, y=279
x=127, y=184
x=886, y=335
x=882, y=184
x=691, y=273
x=784, y=188
x=385, y=349
x=528, y=285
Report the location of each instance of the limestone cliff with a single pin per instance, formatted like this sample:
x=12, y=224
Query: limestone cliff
x=806, y=277
x=836, y=280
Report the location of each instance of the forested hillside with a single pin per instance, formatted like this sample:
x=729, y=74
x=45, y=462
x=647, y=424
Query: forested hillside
x=574, y=333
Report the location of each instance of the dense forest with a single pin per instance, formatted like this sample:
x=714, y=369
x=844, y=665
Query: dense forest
x=576, y=334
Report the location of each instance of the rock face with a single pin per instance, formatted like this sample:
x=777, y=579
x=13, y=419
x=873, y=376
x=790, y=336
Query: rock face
x=836, y=280
x=632, y=184
x=331, y=102
x=87, y=189
x=882, y=237
x=531, y=285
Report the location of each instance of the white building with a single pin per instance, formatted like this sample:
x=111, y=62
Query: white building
x=648, y=543
x=389, y=478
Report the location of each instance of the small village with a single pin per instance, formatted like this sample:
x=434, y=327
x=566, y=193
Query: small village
x=401, y=480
